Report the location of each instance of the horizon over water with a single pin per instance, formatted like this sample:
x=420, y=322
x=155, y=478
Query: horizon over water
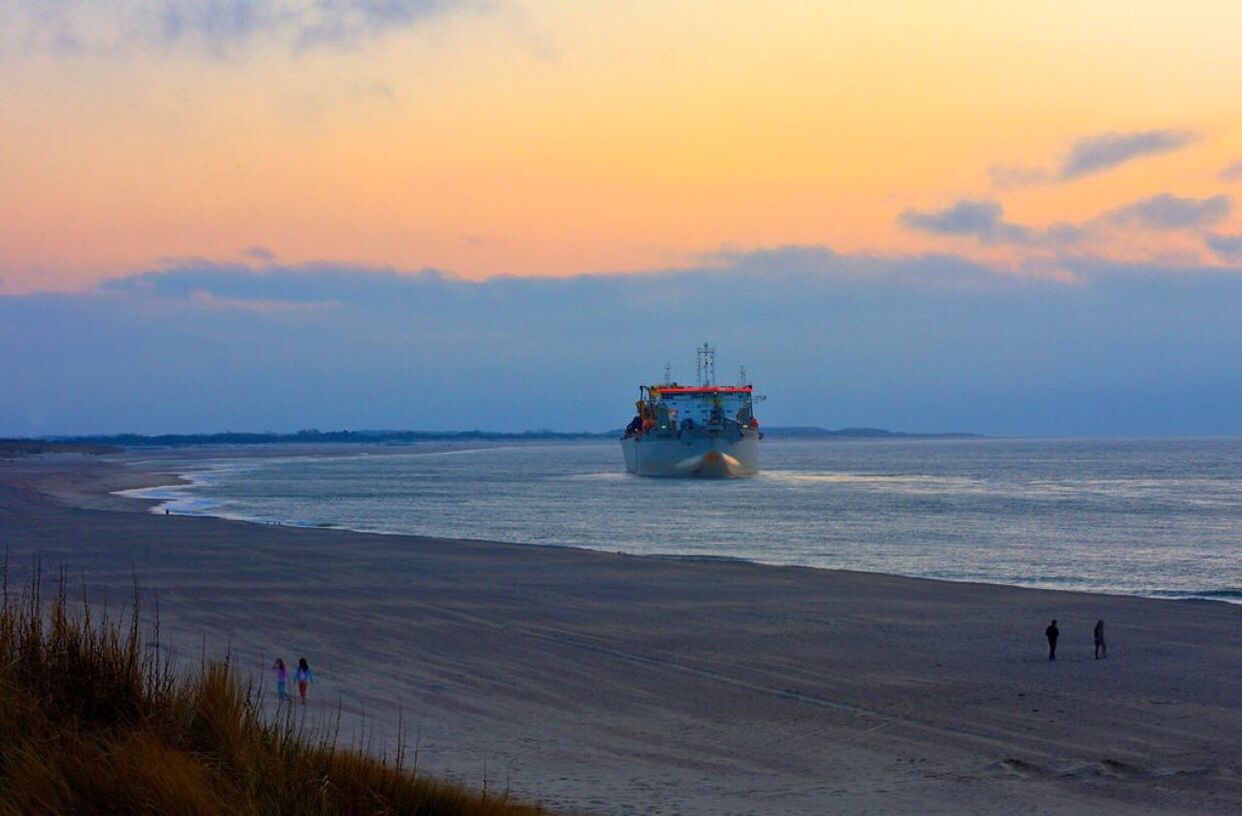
x=1150, y=517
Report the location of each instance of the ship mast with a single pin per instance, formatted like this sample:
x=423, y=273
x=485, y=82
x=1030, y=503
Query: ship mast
x=706, y=366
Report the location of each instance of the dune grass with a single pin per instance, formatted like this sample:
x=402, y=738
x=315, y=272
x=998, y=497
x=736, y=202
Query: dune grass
x=93, y=721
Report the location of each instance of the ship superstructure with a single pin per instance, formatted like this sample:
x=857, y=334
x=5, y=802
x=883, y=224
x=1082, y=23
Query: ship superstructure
x=705, y=430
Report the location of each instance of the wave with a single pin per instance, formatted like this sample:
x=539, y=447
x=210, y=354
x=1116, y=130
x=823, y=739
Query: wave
x=1231, y=595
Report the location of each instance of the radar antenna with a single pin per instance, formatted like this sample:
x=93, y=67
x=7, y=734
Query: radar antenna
x=707, y=365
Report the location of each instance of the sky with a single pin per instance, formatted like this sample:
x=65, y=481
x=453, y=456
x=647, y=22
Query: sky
x=1007, y=218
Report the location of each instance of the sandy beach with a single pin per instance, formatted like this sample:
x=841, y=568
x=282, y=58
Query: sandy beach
x=609, y=684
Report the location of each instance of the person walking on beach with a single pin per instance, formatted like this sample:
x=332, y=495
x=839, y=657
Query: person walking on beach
x=1053, y=633
x=304, y=676
x=1100, y=648
x=282, y=679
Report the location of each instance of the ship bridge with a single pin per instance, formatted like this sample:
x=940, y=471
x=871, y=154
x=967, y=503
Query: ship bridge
x=703, y=404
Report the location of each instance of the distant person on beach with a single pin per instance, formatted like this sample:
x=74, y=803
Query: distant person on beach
x=1100, y=649
x=304, y=676
x=282, y=679
x=1053, y=633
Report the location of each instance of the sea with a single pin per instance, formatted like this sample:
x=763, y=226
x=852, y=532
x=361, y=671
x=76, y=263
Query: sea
x=1153, y=517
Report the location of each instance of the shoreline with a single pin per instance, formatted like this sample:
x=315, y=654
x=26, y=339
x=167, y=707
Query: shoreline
x=186, y=478
x=610, y=684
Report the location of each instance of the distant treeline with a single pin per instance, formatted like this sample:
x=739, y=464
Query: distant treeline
x=12, y=448
x=102, y=444
x=131, y=440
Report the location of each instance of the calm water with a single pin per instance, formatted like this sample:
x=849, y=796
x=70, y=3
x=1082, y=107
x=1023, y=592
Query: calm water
x=1160, y=517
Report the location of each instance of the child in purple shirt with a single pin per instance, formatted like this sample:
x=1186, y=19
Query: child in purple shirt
x=282, y=679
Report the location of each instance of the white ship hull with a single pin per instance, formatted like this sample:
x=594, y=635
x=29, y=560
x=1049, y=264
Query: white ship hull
x=714, y=454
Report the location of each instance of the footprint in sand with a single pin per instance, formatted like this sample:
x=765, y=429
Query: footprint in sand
x=1018, y=767
x=1107, y=768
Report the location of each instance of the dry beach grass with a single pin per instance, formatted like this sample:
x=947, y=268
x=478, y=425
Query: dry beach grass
x=95, y=720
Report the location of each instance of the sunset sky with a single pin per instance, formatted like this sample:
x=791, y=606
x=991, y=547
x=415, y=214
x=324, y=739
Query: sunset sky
x=1055, y=150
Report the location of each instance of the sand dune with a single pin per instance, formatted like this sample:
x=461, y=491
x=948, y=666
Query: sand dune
x=611, y=684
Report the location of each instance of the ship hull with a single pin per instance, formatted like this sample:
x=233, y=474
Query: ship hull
x=701, y=454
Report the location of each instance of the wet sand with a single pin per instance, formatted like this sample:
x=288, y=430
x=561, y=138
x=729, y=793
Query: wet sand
x=610, y=684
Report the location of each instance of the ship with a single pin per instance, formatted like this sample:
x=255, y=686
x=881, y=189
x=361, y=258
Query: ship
x=705, y=430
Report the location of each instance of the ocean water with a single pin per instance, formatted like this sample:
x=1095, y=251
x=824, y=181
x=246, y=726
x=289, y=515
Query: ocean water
x=1150, y=517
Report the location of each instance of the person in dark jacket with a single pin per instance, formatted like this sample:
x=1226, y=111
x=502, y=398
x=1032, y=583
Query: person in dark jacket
x=1100, y=649
x=1053, y=633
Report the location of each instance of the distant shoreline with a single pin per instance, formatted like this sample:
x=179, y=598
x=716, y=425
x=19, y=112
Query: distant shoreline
x=107, y=443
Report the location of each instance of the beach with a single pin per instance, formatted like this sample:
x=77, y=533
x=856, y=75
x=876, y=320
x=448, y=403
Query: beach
x=613, y=684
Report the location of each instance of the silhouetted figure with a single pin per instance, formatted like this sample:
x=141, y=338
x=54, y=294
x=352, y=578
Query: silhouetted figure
x=1100, y=649
x=1053, y=633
